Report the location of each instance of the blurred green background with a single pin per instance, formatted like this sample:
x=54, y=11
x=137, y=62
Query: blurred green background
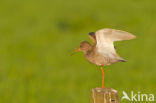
x=37, y=38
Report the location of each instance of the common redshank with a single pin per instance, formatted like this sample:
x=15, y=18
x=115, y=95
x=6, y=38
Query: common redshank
x=102, y=52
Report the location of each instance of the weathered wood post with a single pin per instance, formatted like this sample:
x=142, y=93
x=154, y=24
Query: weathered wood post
x=104, y=95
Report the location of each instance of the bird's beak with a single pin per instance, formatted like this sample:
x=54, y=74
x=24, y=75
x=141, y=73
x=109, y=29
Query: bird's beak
x=77, y=50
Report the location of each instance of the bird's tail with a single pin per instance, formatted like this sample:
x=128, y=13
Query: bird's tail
x=123, y=60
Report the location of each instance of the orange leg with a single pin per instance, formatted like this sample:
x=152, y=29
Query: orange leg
x=103, y=77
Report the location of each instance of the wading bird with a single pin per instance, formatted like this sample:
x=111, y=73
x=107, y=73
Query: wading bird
x=102, y=52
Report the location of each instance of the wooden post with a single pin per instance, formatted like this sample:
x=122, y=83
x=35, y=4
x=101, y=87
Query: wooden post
x=104, y=95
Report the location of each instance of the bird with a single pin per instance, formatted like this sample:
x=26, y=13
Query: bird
x=102, y=52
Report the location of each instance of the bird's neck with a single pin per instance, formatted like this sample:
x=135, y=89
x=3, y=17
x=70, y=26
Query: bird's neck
x=88, y=50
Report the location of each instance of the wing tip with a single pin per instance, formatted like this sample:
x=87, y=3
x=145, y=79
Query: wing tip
x=132, y=37
x=91, y=33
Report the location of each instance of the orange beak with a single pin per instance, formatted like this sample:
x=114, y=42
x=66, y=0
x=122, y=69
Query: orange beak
x=77, y=50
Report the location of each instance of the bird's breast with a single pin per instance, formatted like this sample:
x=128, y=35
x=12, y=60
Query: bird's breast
x=103, y=58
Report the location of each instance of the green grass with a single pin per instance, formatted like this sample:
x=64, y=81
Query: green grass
x=36, y=39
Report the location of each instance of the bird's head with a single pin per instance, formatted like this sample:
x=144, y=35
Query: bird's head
x=84, y=47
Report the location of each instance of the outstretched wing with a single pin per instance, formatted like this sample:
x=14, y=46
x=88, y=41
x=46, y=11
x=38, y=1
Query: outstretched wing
x=92, y=37
x=106, y=37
